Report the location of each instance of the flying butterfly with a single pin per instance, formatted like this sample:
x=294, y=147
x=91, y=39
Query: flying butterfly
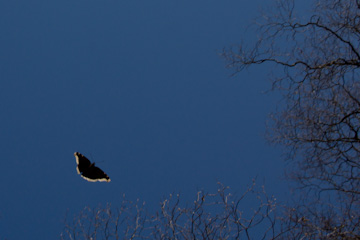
x=88, y=171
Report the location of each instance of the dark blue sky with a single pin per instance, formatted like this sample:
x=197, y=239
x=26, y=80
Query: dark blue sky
x=139, y=88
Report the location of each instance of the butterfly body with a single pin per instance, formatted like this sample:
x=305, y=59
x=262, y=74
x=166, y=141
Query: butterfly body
x=88, y=170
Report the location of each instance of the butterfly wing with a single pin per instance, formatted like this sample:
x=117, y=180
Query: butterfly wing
x=94, y=174
x=82, y=162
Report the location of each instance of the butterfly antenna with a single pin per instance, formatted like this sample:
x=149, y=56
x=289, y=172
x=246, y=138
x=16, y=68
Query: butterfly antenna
x=93, y=159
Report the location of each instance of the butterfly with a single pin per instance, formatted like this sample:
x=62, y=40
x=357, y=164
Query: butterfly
x=88, y=170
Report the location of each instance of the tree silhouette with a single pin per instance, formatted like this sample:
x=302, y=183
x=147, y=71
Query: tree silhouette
x=211, y=216
x=319, y=125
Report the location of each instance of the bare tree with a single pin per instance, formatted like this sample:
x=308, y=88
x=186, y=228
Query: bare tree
x=211, y=216
x=319, y=56
x=127, y=221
